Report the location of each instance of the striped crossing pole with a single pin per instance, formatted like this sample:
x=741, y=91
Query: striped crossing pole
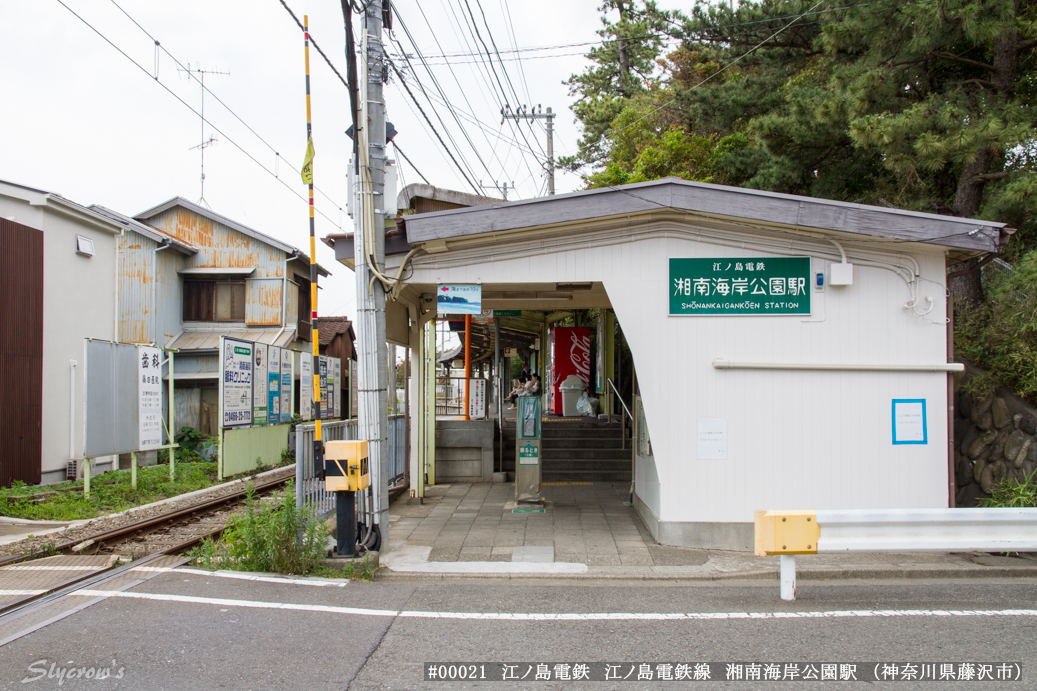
x=318, y=445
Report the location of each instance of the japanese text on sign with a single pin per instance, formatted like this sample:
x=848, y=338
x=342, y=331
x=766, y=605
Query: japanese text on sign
x=149, y=388
x=740, y=286
x=865, y=672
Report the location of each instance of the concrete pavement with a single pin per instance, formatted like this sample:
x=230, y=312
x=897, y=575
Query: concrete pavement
x=183, y=629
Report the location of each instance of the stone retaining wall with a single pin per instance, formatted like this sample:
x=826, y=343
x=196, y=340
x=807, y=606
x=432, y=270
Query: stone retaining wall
x=994, y=439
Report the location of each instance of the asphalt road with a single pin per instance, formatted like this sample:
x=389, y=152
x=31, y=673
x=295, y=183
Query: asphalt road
x=189, y=631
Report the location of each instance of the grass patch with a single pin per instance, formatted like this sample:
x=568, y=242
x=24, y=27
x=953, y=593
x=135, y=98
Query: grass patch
x=277, y=537
x=109, y=493
x=355, y=570
x=1012, y=494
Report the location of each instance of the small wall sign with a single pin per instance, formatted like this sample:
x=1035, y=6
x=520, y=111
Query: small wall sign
x=909, y=426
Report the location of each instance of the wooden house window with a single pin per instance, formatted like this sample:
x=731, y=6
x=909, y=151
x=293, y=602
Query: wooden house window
x=214, y=301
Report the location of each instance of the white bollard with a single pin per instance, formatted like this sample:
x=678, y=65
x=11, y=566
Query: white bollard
x=788, y=577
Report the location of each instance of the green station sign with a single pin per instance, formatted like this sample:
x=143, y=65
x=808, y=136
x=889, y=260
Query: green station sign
x=750, y=286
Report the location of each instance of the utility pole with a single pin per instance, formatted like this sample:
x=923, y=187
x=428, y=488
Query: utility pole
x=537, y=113
x=206, y=143
x=369, y=253
x=502, y=188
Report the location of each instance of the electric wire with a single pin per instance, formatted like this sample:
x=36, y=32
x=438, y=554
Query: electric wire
x=406, y=158
x=483, y=74
x=474, y=27
x=506, y=11
x=192, y=109
x=160, y=46
x=432, y=127
x=442, y=92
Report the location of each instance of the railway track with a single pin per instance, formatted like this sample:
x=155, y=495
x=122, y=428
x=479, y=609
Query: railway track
x=169, y=533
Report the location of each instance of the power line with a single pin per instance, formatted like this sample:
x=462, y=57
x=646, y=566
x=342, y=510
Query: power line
x=398, y=150
x=450, y=107
x=210, y=92
x=434, y=131
x=191, y=108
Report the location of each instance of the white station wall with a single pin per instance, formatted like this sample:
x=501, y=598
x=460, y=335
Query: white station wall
x=796, y=440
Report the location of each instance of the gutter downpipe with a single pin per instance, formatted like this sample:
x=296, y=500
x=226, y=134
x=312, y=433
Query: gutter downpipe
x=284, y=295
x=115, y=317
x=166, y=244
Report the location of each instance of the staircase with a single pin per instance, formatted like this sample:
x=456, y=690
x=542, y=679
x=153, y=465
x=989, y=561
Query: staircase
x=576, y=450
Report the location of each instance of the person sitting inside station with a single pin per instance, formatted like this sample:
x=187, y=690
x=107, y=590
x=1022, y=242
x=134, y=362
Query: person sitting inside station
x=529, y=388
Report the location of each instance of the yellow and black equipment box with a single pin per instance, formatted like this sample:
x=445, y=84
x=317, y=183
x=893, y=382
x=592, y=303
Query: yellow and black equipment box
x=345, y=466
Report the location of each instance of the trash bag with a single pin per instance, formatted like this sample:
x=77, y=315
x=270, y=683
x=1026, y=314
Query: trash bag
x=587, y=406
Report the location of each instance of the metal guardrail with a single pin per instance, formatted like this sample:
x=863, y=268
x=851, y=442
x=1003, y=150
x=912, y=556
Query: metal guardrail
x=309, y=488
x=788, y=533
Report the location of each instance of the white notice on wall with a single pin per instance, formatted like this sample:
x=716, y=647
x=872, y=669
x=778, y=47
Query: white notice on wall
x=286, y=384
x=909, y=421
x=477, y=399
x=149, y=389
x=712, y=439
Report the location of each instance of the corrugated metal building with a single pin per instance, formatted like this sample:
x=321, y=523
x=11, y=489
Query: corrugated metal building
x=221, y=278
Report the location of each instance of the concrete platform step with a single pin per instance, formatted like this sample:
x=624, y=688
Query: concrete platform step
x=586, y=454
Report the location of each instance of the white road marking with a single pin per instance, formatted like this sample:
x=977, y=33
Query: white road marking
x=503, y=567
x=21, y=592
x=246, y=577
x=565, y=616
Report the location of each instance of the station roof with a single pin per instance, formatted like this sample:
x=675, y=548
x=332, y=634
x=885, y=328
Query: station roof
x=771, y=210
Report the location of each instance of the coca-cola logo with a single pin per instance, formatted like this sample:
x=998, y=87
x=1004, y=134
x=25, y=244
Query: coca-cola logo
x=580, y=355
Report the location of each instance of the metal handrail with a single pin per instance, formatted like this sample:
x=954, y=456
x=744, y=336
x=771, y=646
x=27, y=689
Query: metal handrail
x=623, y=422
x=629, y=414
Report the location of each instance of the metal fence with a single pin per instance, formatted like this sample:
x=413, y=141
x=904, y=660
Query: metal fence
x=309, y=488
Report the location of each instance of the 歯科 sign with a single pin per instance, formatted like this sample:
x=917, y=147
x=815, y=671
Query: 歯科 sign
x=236, y=382
x=149, y=388
x=740, y=286
x=306, y=386
x=459, y=299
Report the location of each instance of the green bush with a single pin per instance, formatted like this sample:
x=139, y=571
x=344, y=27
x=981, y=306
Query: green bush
x=1012, y=494
x=1000, y=334
x=279, y=537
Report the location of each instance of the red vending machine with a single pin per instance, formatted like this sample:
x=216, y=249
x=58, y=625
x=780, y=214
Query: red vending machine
x=570, y=354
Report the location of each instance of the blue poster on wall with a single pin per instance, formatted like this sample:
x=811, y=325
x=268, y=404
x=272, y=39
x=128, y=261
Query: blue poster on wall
x=909, y=425
x=273, y=408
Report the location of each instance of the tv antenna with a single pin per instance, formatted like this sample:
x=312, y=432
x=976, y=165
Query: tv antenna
x=199, y=74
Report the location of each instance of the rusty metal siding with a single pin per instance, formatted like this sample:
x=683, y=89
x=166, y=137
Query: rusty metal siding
x=263, y=302
x=220, y=246
x=169, y=294
x=136, y=276
x=21, y=353
x=293, y=304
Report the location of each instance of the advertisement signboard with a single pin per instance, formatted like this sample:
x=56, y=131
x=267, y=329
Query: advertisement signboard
x=352, y=388
x=323, y=362
x=338, y=387
x=740, y=286
x=459, y=299
x=570, y=354
x=149, y=401
x=236, y=382
x=273, y=388
x=306, y=386
x=286, y=385
x=259, y=397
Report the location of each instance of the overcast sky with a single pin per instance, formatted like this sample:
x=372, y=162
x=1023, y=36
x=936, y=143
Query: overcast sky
x=80, y=119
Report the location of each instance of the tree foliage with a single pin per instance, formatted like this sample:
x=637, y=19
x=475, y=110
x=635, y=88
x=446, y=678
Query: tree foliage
x=922, y=105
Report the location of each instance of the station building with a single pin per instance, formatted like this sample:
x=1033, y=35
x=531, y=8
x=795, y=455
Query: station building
x=788, y=352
